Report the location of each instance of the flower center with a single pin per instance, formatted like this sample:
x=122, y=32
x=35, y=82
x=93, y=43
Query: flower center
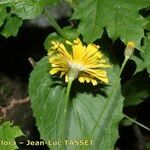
x=75, y=68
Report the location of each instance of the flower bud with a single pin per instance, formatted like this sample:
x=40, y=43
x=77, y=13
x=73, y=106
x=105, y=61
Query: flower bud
x=129, y=49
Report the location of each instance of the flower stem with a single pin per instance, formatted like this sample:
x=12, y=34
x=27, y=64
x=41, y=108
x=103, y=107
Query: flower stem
x=123, y=65
x=67, y=94
x=141, y=125
x=65, y=109
x=132, y=120
x=53, y=22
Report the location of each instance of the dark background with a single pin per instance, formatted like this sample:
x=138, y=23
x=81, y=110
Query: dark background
x=15, y=70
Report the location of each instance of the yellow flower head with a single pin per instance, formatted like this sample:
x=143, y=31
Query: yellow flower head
x=83, y=62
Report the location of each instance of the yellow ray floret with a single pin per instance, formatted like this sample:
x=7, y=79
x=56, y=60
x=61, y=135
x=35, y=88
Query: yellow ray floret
x=83, y=62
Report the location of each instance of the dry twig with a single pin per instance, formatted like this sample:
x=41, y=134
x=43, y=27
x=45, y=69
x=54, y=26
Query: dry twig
x=32, y=62
x=12, y=105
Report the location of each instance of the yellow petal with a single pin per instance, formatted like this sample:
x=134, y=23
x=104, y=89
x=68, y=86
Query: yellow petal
x=81, y=79
x=66, y=78
x=62, y=73
x=92, y=49
x=68, y=42
x=54, y=71
x=63, y=50
x=87, y=79
x=105, y=80
x=78, y=52
x=55, y=44
x=88, y=62
x=94, y=82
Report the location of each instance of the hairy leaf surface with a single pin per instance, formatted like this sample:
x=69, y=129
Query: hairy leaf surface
x=92, y=114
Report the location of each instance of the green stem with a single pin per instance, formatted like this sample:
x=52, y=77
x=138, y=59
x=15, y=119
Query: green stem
x=65, y=109
x=123, y=65
x=109, y=101
x=53, y=22
x=68, y=94
x=141, y=125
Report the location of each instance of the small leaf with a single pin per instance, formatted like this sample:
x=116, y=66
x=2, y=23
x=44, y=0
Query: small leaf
x=71, y=34
x=144, y=61
x=11, y=26
x=3, y=14
x=139, y=63
x=146, y=54
x=27, y=9
x=140, y=90
x=8, y=133
x=127, y=122
x=147, y=27
x=52, y=37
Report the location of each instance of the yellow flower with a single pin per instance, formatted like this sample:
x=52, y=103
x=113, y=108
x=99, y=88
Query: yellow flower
x=83, y=62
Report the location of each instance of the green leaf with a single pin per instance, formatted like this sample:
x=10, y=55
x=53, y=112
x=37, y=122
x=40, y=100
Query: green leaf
x=140, y=90
x=93, y=112
x=52, y=2
x=11, y=26
x=127, y=122
x=27, y=9
x=5, y=2
x=147, y=145
x=71, y=34
x=52, y=37
x=8, y=133
x=3, y=14
x=146, y=54
x=147, y=27
x=144, y=61
x=139, y=63
x=119, y=17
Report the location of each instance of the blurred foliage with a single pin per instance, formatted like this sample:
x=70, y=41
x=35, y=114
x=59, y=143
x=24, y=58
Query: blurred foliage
x=8, y=133
x=13, y=12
